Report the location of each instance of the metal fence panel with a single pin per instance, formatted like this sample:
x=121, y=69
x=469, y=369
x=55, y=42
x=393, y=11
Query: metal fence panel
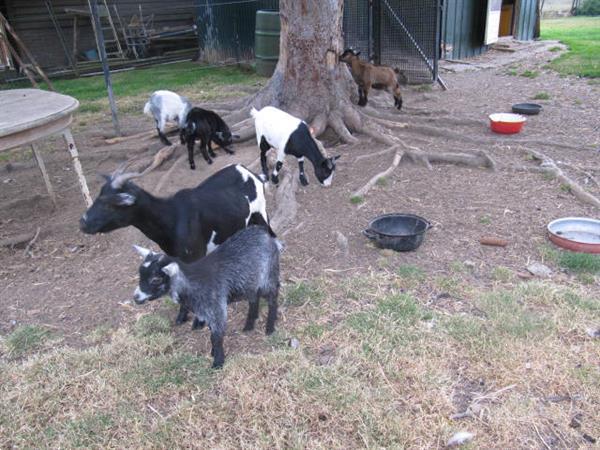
x=226, y=28
x=409, y=37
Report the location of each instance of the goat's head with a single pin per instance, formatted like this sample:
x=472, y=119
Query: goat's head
x=324, y=171
x=115, y=206
x=224, y=138
x=349, y=55
x=156, y=272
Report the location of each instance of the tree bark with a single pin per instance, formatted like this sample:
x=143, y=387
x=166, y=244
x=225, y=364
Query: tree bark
x=309, y=81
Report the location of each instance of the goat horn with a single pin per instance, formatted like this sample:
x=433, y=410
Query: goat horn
x=120, y=179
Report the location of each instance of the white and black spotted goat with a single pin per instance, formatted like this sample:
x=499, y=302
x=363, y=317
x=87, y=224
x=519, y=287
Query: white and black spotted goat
x=245, y=266
x=289, y=136
x=166, y=106
x=191, y=223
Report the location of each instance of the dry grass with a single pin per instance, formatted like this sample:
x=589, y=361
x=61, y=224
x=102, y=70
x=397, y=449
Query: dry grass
x=379, y=365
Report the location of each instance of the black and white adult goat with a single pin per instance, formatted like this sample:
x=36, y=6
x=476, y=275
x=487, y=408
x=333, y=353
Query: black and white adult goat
x=289, y=136
x=245, y=266
x=191, y=223
x=206, y=126
x=165, y=106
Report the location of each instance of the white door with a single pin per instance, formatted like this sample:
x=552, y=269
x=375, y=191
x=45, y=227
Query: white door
x=492, y=22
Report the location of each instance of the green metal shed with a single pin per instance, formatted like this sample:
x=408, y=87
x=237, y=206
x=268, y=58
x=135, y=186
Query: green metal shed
x=464, y=24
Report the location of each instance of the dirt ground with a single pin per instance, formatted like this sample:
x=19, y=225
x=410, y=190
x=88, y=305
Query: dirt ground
x=74, y=283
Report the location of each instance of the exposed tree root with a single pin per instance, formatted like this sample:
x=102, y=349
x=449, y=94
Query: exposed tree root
x=337, y=124
x=547, y=165
x=238, y=116
x=373, y=155
x=285, y=200
x=142, y=136
x=246, y=133
x=319, y=124
x=168, y=173
x=478, y=159
x=396, y=161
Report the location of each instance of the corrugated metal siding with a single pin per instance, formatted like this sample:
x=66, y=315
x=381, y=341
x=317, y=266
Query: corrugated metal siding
x=463, y=28
x=31, y=21
x=525, y=20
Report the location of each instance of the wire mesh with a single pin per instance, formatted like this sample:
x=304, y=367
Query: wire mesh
x=226, y=29
x=357, y=31
x=408, y=37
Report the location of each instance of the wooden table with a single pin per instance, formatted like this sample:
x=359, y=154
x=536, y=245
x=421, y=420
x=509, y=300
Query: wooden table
x=28, y=115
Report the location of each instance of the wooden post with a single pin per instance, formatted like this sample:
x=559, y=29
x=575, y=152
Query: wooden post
x=45, y=176
x=75, y=38
x=100, y=40
x=77, y=165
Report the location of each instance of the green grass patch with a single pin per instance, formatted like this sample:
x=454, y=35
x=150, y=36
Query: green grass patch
x=541, y=96
x=203, y=81
x=556, y=48
x=530, y=74
x=170, y=370
x=485, y=220
x=582, y=36
x=26, y=338
x=305, y=291
x=356, y=199
x=152, y=324
x=575, y=262
x=502, y=274
x=382, y=182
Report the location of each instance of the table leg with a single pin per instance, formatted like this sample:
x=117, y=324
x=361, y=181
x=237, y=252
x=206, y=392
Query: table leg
x=77, y=165
x=42, y=166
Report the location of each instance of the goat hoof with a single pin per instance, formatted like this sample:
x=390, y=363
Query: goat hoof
x=275, y=179
x=210, y=161
x=303, y=181
x=248, y=327
x=218, y=364
x=193, y=166
x=264, y=177
x=270, y=330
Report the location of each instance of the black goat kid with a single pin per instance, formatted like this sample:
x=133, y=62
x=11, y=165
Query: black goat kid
x=206, y=126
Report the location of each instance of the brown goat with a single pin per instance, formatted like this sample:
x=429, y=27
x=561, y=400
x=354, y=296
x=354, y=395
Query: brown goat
x=368, y=76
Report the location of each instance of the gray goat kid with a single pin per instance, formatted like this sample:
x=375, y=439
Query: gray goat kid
x=245, y=266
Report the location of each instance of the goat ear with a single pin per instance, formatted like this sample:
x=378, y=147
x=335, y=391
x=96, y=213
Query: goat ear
x=335, y=158
x=235, y=136
x=124, y=199
x=357, y=53
x=171, y=269
x=328, y=163
x=143, y=252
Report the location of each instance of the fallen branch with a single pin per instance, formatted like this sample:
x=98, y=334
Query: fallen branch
x=549, y=166
x=493, y=241
x=31, y=242
x=397, y=157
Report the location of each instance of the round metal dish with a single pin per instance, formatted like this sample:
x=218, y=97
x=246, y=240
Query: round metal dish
x=579, y=234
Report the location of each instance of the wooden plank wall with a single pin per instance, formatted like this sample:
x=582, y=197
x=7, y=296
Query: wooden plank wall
x=31, y=21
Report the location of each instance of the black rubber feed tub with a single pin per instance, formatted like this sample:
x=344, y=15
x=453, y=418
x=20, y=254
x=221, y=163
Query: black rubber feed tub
x=531, y=109
x=400, y=232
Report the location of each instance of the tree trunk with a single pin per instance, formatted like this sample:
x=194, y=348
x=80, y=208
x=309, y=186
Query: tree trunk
x=309, y=81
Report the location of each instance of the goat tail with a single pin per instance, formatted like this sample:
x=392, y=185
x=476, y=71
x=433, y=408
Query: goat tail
x=147, y=108
x=254, y=112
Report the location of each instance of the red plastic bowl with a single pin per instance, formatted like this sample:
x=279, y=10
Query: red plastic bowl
x=507, y=123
